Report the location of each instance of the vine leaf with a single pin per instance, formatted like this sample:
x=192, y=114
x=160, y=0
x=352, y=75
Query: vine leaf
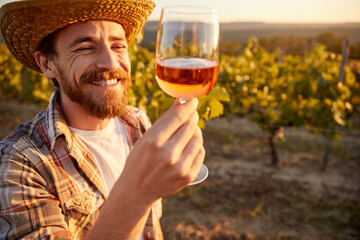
x=220, y=94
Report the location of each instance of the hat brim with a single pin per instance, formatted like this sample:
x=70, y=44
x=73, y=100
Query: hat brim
x=25, y=24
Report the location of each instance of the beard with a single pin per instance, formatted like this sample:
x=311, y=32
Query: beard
x=95, y=102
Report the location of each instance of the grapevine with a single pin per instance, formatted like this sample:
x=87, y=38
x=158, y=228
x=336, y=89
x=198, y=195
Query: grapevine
x=269, y=88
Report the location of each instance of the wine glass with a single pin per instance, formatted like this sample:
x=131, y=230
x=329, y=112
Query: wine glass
x=187, y=55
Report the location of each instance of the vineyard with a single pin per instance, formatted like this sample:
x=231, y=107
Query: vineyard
x=269, y=88
x=272, y=94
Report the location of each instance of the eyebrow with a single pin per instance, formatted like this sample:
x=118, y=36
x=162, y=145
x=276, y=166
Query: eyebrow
x=117, y=38
x=93, y=39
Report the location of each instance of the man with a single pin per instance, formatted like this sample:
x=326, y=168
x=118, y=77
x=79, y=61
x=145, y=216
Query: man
x=75, y=171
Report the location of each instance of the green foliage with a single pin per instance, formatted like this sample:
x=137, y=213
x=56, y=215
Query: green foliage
x=36, y=87
x=275, y=90
x=270, y=88
x=10, y=74
x=210, y=106
x=20, y=83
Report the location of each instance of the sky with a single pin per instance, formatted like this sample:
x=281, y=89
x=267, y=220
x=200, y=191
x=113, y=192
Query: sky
x=273, y=11
x=276, y=11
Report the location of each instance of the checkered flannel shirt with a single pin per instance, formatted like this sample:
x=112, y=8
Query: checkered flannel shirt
x=50, y=185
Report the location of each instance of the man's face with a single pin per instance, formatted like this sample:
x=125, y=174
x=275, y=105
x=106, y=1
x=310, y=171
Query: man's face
x=93, y=67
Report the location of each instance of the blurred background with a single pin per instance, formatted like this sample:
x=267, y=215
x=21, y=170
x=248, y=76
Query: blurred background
x=281, y=127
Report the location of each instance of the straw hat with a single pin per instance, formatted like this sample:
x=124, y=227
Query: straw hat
x=24, y=24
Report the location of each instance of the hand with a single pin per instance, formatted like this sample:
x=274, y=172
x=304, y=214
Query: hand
x=169, y=155
x=162, y=162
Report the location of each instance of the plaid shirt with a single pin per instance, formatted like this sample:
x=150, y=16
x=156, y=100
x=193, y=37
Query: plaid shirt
x=50, y=185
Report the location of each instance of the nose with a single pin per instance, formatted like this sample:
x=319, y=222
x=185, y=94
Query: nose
x=107, y=60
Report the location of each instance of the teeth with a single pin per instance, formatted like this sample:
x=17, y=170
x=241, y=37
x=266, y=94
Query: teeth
x=105, y=83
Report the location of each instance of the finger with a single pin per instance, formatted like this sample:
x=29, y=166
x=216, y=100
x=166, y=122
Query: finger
x=177, y=103
x=196, y=164
x=194, y=168
x=190, y=152
x=184, y=133
x=172, y=119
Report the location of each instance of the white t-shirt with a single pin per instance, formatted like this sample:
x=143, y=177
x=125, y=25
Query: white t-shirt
x=109, y=147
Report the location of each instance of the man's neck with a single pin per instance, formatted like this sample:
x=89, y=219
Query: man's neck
x=76, y=117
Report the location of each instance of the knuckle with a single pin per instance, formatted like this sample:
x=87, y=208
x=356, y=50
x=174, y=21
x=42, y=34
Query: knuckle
x=177, y=173
x=188, y=178
x=199, y=132
x=180, y=116
x=153, y=144
x=184, y=177
x=196, y=117
x=170, y=155
x=181, y=173
x=202, y=152
x=199, y=136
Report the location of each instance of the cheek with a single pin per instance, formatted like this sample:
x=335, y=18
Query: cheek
x=78, y=67
x=125, y=63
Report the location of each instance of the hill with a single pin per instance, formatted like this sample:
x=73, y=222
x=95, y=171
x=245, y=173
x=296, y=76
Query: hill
x=241, y=31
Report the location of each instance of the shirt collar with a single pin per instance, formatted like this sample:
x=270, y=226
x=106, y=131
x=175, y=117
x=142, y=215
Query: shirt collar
x=57, y=125
x=130, y=117
x=56, y=122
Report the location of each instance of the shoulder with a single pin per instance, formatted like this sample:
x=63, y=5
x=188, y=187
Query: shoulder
x=26, y=135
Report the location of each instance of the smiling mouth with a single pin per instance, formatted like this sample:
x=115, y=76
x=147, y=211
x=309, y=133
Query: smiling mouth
x=104, y=83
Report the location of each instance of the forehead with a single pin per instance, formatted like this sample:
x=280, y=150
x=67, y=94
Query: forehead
x=93, y=28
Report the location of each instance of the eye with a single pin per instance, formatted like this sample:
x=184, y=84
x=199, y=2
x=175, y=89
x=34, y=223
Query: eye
x=85, y=48
x=119, y=46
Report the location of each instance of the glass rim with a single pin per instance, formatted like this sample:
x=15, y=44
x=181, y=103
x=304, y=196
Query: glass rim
x=190, y=9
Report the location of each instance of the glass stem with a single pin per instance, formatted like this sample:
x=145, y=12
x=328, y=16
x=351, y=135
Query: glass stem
x=183, y=100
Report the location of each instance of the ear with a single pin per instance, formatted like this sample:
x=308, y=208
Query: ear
x=46, y=65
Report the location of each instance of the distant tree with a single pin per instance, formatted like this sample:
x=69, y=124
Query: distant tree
x=289, y=44
x=354, y=51
x=230, y=48
x=331, y=41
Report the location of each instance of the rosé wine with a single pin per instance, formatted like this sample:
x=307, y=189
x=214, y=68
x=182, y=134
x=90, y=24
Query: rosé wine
x=186, y=77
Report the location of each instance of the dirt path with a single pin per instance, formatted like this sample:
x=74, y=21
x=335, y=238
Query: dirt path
x=245, y=197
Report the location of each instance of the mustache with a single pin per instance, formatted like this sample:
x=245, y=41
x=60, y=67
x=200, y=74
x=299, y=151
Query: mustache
x=98, y=75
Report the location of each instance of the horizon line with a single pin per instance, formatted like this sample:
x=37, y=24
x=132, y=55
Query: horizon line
x=280, y=22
